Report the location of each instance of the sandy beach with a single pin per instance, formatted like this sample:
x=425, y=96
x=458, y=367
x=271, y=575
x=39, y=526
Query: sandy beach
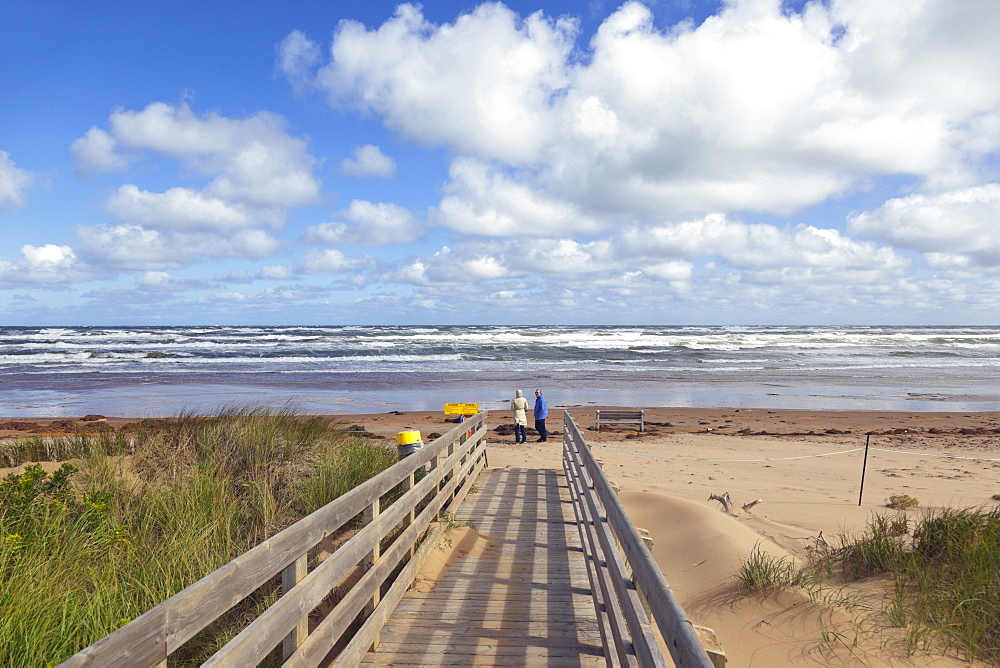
x=805, y=465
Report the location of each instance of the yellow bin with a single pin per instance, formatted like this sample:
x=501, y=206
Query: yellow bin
x=408, y=442
x=408, y=437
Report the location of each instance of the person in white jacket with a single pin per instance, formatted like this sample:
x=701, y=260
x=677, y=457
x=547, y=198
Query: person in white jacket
x=519, y=405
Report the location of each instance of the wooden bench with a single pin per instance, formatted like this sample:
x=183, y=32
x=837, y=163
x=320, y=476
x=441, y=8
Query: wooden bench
x=620, y=417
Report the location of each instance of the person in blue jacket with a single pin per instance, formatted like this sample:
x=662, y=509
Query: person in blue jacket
x=541, y=412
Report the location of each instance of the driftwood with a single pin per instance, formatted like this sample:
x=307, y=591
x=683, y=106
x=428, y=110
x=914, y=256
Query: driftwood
x=748, y=506
x=727, y=503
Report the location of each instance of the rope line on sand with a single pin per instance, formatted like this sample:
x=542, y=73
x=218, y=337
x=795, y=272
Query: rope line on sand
x=927, y=454
x=697, y=459
x=767, y=459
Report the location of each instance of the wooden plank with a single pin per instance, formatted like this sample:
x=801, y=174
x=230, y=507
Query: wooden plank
x=417, y=649
x=477, y=660
x=478, y=611
x=498, y=645
x=525, y=600
x=358, y=646
x=255, y=641
x=538, y=632
x=500, y=558
x=513, y=563
x=486, y=618
x=474, y=616
x=530, y=599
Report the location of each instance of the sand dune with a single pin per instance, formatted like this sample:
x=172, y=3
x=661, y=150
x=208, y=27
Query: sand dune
x=697, y=544
x=699, y=550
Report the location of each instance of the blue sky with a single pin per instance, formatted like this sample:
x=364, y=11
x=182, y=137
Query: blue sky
x=665, y=162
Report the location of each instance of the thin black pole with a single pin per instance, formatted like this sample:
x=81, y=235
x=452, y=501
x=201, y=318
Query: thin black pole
x=864, y=467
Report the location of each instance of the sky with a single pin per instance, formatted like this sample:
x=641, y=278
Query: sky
x=528, y=162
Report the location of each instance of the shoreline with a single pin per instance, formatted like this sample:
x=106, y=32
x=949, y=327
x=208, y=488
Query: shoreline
x=137, y=397
x=660, y=421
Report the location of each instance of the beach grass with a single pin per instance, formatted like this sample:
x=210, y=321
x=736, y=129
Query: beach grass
x=945, y=577
x=763, y=572
x=138, y=516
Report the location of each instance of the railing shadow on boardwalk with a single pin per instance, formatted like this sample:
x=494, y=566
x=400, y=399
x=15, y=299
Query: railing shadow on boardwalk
x=565, y=581
x=523, y=600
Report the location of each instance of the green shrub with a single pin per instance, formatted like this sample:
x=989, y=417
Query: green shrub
x=901, y=502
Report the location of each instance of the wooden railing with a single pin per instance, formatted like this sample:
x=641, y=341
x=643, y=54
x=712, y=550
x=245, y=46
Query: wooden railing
x=623, y=576
x=375, y=567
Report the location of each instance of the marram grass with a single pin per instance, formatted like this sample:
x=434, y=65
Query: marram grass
x=83, y=552
x=945, y=570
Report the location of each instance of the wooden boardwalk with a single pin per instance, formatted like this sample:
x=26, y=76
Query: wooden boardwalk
x=525, y=601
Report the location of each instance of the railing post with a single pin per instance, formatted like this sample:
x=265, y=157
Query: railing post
x=451, y=474
x=408, y=485
x=291, y=575
x=433, y=466
x=370, y=514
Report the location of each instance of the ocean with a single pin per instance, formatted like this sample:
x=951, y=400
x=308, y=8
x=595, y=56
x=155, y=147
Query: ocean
x=158, y=371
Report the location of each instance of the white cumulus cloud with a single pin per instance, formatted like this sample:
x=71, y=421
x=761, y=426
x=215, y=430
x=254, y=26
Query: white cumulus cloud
x=253, y=173
x=955, y=229
x=50, y=263
x=483, y=200
x=133, y=247
x=276, y=272
x=252, y=160
x=297, y=56
x=481, y=83
x=13, y=182
x=370, y=224
x=327, y=261
x=368, y=160
x=758, y=108
x=177, y=208
x=757, y=246
x=97, y=151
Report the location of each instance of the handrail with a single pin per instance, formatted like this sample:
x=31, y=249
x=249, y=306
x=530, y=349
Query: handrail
x=452, y=462
x=613, y=547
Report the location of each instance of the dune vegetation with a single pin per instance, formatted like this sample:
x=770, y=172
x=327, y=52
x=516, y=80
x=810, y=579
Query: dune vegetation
x=942, y=568
x=136, y=515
